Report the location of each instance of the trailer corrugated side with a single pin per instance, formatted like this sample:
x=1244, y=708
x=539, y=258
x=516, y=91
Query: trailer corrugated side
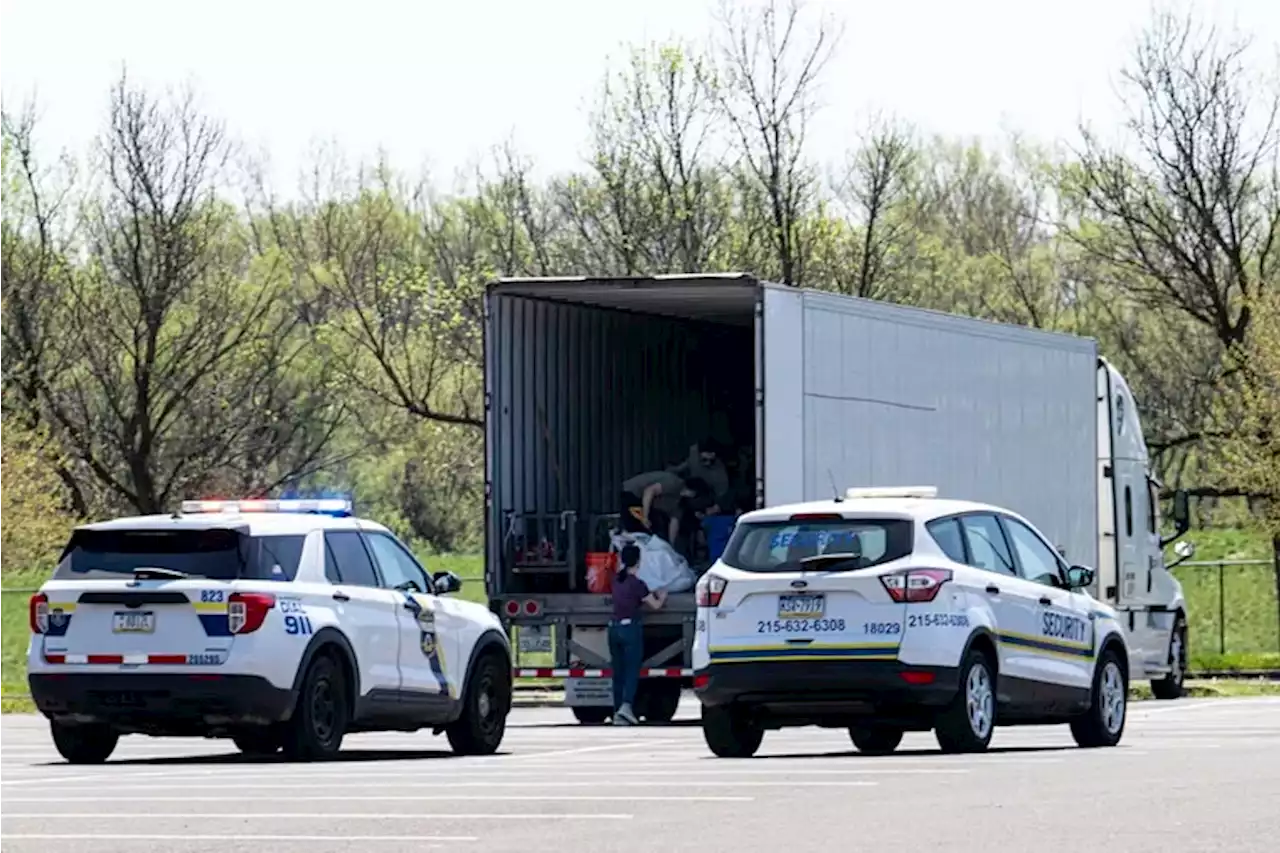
x=859, y=392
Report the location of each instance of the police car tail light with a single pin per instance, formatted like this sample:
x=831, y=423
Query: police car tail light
x=915, y=585
x=710, y=590
x=246, y=611
x=38, y=613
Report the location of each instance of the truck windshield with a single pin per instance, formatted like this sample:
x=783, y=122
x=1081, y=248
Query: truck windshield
x=846, y=544
x=215, y=553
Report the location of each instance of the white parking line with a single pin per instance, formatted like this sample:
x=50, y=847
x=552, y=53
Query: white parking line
x=344, y=785
x=238, y=815
x=503, y=798
x=428, y=840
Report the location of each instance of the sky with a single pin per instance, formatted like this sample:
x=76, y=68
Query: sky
x=437, y=83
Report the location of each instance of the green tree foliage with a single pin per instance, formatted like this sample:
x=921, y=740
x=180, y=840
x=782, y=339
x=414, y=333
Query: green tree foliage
x=172, y=339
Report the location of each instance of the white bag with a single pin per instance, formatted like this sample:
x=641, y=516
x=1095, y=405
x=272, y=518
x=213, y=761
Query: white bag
x=661, y=566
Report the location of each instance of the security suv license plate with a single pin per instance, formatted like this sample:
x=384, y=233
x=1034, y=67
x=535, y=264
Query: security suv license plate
x=129, y=622
x=801, y=606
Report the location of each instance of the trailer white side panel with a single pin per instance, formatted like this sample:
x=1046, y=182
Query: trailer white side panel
x=783, y=436
x=902, y=396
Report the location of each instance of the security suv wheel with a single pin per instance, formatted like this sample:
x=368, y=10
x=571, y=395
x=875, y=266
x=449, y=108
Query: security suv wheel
x=319, y=722
x=84, y=744
x=966, y=724
x=487, y=702
x=729, y=733
x=1103, y=723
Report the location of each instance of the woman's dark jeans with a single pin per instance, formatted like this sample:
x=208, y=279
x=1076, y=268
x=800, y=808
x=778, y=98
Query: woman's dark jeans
x=626, y=650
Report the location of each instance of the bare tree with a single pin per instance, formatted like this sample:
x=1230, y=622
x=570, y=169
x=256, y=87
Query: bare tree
x=876, y=187
x=767, y=87
x=1193, y=212
x=179, y=360
x=39, y=228
x=400, y=335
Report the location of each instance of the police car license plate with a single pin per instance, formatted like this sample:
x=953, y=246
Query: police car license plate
x=129, y=622
x=801, y=606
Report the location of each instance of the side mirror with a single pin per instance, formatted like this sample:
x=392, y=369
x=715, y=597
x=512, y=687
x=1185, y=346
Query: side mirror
x=1079, y=577
x=1185, y=551
x=446, y=582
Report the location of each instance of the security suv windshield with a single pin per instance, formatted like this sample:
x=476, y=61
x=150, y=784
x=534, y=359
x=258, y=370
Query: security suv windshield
x=835, y=544
x=214, y=553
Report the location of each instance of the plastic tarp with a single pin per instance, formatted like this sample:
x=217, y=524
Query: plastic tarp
x=661, y=566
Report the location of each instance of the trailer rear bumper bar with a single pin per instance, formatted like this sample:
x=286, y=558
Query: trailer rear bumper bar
x=550, y=672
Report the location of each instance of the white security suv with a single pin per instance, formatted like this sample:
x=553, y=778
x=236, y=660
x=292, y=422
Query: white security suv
x=282, y=624
x=891, y=611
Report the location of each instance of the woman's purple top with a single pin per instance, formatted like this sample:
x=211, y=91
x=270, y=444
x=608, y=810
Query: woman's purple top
x=628, y=593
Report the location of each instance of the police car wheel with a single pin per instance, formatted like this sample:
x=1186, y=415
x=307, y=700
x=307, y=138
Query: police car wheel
x=1103, y=723
x=875, y=740
x=264, y=740
x=319, y=721
x=1171, y=686
x=968, y=721
x=84, y=744
x=729, y=734
x=480, y=729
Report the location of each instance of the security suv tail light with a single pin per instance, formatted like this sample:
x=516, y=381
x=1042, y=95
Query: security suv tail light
x=38, y=613
x=246, y=611
x=914, y=585
x=710, y=590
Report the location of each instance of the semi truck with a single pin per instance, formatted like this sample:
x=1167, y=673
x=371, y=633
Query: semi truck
x=588, y=381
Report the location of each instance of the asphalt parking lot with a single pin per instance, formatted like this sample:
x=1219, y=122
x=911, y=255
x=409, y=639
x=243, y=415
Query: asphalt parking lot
x=1200, y=775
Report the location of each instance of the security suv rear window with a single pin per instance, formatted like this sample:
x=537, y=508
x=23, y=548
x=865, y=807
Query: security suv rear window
x=819, y=544
x=216, y=553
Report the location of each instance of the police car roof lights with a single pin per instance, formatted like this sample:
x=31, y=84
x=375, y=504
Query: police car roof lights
x=892, y=492
x=325, y=506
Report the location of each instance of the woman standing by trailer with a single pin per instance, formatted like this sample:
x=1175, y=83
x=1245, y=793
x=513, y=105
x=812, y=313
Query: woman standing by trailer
x=626, y=633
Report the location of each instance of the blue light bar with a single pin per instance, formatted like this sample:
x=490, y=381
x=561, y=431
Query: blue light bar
x=339, y=507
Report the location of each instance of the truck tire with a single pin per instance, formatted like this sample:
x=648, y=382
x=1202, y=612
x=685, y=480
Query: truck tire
x=729, y=734
x=319, y=722
x=1171, y=686
x=661, y=700
x=875, y=740
x=84, y=744
x=968, y=721
x=1103, y=723
x=591, y=715
x=485, y=705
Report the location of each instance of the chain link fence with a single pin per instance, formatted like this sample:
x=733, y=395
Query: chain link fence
x=1232, y=610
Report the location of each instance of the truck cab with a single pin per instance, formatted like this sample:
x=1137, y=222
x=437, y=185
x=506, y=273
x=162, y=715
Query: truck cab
x=1131, y=572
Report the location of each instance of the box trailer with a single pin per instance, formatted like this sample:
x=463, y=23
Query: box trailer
x=589, y=381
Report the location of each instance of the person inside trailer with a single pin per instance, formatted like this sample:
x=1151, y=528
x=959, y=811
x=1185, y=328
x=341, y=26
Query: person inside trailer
x=704, y=463
x=651, y=503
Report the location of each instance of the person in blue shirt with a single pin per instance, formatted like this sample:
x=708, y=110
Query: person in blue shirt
x=626, y=633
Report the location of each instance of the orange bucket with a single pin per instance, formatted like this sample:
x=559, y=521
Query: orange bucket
x=601, y=566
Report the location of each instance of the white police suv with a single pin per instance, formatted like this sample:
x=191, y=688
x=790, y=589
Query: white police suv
x=282, y=624
x=894, y=611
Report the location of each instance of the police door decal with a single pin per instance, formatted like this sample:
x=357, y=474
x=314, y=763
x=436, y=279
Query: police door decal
x=428, y=639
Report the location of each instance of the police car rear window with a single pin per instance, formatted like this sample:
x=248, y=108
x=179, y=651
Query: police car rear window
x=849, y=544
x=217, y=554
